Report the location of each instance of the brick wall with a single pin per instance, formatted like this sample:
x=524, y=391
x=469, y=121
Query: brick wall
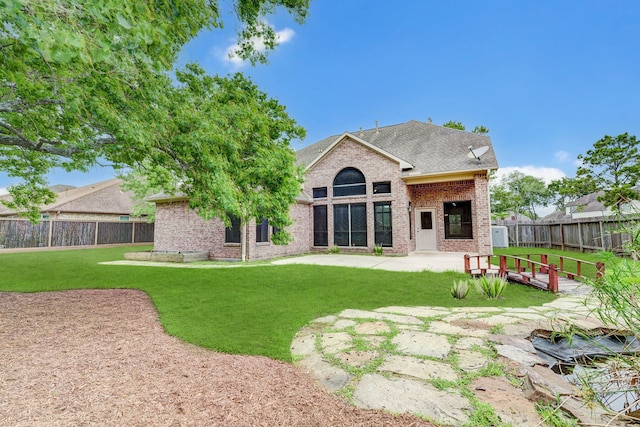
x=375, y=168
x=477, y=191
x=178, y=228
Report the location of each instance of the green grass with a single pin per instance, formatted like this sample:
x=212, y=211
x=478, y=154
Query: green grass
x=554, y=254
x=254, y=310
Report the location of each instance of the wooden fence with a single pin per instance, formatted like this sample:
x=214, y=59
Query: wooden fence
x=20, y=233
x=584, y=235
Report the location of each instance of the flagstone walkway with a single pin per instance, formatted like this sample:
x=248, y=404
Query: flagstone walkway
x=412, y=359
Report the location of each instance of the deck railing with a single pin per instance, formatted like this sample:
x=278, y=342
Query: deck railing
x=547, y=273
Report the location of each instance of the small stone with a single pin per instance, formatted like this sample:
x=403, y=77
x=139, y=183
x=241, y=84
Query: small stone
x=465, y=343
x=469, y=361
x=326, y=319
x=518, y=355
x=333, y=342
x=344, y=324
x=331, y=377
x=303, y=345
x=507, y=401
x=451, y=329
x=422, y=344
x=357, y=359
x=521, y=343
x=372, y=328
x=423, y=369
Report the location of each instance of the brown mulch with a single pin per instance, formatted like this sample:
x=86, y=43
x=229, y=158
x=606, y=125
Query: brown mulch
x=100, y=357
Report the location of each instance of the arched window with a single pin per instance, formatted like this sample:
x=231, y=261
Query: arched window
x=349, y=182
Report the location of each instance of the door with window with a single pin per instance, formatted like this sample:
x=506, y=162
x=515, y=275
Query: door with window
x=426, y=230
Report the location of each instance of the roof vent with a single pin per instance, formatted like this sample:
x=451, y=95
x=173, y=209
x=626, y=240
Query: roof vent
x=429, y=120
x=361, y=133
x=377, y=130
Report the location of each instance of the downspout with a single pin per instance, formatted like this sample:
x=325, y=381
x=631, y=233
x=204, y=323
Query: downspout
x=243, y=240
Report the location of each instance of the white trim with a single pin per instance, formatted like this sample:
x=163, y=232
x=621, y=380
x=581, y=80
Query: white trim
x=403, y=164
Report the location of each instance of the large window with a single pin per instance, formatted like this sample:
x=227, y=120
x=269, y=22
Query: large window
x=457, y=220
x=320, y=229
x=350, y=224
x=382, y=220
x=262, y=231
x=349, y=182
x=232, y=234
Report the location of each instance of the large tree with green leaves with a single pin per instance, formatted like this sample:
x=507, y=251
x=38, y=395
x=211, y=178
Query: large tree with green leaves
x=518, y=193
x=84, y=82
x=613, y=164
x=565, y=190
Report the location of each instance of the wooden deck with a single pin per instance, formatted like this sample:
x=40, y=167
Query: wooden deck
x=565, y=285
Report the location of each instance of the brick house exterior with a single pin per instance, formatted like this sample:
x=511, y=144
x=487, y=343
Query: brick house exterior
x=407, y=187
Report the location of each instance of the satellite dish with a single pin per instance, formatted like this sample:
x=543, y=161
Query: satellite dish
x=476, y=153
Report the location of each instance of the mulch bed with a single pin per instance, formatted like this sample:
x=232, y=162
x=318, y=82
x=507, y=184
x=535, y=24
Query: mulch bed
x=100, y=357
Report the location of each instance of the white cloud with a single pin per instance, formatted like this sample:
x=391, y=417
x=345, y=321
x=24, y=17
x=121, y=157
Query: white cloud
x=229, y=54
x=3, y=190
x=547, y=174
x=562, y=155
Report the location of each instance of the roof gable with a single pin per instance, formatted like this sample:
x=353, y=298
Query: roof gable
x=403, y=164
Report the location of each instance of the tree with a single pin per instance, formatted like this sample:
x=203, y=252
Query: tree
x=613, y=164
x=482, y=130
x=87, y=82
x=567, y=189
x=518, y=193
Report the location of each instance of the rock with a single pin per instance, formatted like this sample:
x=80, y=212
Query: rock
x=362, y=314
x=520, y=343
x=344, y=324
x=418, y=368
x=326, y=319
x=507, y=401
x=303, y=345
x=542, y=384
x=452, y=329
x=415, y=311
x=422, y=344
x=404, y=395
x=357, y=359
x=333, y=342
x=372, y=328
x=518, y=355
x=465, y=343
x=469, y=361
x=331, y=377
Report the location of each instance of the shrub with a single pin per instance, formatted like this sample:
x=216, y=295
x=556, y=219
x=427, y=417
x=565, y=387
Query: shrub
x=460, y=289
x=333, y=250
x=377, y=250
x=491, y=286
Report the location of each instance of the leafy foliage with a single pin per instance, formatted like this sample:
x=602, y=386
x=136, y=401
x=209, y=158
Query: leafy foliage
x=518, y=193
x=567, y=189
x=613, y=164
x=491, y=286
x=83, y=83
x=459, y=289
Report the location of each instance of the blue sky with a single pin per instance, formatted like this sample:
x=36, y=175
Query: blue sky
x=547, y=77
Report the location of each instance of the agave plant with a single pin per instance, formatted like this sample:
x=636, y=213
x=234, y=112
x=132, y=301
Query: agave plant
x=460, y=289
x=491, y=286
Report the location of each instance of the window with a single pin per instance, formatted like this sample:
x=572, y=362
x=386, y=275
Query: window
x=349, y=182
x=381, y=187
x=457, y=220
x=232, y=234
x=320, y=192
x=262, y=231
x=124, y=217
x=320, y=229
x=350, y=224
x=382, y=220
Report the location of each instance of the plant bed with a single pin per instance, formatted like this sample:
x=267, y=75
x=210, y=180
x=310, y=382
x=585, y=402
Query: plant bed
x=167, y=256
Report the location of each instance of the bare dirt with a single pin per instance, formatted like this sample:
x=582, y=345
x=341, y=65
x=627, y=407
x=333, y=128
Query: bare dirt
x=100, y=357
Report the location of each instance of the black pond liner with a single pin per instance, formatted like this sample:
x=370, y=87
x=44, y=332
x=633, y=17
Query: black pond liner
x=563, y=354
x=579, y=348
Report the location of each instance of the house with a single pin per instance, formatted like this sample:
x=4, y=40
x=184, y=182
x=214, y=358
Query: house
x=589, y=206
x=104, y=201
x=406, y=187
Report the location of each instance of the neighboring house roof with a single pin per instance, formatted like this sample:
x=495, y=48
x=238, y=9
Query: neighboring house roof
x=584, y=206
x=101, y=198
x=419, y=148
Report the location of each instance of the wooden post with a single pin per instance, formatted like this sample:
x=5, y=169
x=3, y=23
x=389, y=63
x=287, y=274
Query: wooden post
x=599, y=270
x=95, y=240
x=50, y=232
x=503, y=266
x=604, y=247
x=553, y=278
x=467, y=264
x=544, y=259
x=133, y=232
x=580, y=236
x=562, y=236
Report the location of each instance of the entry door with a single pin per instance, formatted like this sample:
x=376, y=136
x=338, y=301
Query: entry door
x=426, y=230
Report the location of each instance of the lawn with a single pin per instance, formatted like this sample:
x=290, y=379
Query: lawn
x=252, y=310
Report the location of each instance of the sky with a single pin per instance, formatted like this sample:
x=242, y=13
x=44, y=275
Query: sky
x=548, y=78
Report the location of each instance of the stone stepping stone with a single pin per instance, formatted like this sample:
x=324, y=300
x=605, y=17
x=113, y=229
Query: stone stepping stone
x=331, y=377
x=470, y=361
x=507, y=401
x=520, y=356
x=372, y=328
x=333, y=342
x=415, y=311
x=344, y=324
x=451, y=329
x=303, y=345
x=422, y=344
x=357, y=359
x=418, y=368
x=401, y=395
x=465, y=343
x=395, y=318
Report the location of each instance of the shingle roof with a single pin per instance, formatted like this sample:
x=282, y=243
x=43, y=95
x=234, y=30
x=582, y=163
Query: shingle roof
x=431, y=149
x=103, y=197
